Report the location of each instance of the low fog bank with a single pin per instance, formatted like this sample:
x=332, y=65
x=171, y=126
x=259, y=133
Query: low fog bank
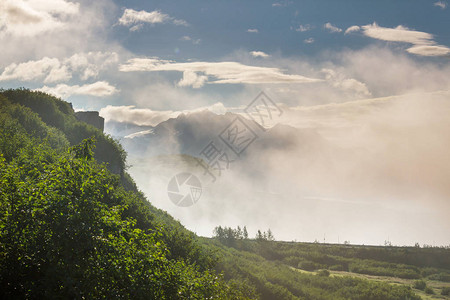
x=363, y=171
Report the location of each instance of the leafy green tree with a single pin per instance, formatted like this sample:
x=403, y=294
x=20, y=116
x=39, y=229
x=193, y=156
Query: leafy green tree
x=259, y=236
x=245, y=233
x=239, y=232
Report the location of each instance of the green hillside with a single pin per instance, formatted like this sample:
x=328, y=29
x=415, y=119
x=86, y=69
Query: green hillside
x=73, y=225
x=70, y=228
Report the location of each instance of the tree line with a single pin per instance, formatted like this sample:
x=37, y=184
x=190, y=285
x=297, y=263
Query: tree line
x=229, y=235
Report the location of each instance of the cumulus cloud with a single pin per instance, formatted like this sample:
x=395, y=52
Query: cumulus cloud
x=259, y=54
x=98, y=89
x=346, y=84
x=332, y=28
x=252, y=30
x=223, y=72
x=48, y=69
x=134, y=19
x=191, y=78
x=90, y=64
x=29, y=18
x=52, y=70
x=351, y=29
x=75, y=26
x=441, y=4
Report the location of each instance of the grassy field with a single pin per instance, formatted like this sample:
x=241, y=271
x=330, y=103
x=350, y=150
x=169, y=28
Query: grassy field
x=290, y=270
x=437, y=286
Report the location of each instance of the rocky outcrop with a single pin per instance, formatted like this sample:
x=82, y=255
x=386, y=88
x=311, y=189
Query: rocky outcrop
x=91, y=118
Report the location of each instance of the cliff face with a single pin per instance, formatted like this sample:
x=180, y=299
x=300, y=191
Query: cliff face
x=92, y=118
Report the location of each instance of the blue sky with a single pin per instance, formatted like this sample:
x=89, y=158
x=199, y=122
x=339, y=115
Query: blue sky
x=84, y=47
x=222, y=26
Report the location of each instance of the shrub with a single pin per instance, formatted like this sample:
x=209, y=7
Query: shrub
x=324, y=273
x=445, y=277
x=429, y=290
x=337, y=268
x=445, y=291
x=420, y=284
x=307, y=265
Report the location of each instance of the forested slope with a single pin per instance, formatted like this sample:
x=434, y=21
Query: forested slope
x=71, y=228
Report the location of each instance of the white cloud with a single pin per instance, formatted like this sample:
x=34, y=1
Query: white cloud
x=143, y=64
x=48, y=69
x=58, y=74
x=90, y=64
x=309, y=40
x=136, y=27
x=138, y=116
x=76, y=26
x=259, y=54
x=29, y=18
x=351, y=29
x=54, y=70
x=441, y=4
x=224, y=72
x=303, y=28
x=429, y=50
x=179, y=22
x=188, y=38
x=397, y=34
x=346, y=84
x=252, y=30
x=332, y=28
x=139, y=134
x=400, y=72
x=131, y=16
x=135, y=18
x=191, y=78
x=98, y=89
x=423, y=42
x=281, y=3
x=149, y=117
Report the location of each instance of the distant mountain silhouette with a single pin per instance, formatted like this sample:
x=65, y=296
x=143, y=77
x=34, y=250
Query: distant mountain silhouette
x=190, y=133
